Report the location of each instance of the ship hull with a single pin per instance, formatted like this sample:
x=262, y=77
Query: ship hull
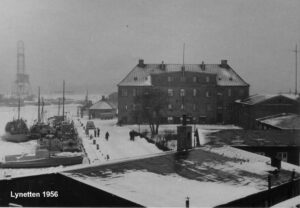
x=43, y=162
x=15, y=137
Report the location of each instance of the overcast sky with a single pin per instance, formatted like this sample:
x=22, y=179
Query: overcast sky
x=95, y=43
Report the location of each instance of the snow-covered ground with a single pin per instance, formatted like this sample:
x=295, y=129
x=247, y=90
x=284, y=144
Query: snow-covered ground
x=290, y=203
x=203, y=130
x=118, y=146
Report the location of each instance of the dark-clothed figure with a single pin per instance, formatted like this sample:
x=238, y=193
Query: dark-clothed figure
x=106, y=136
x=95, y=133
x=131, y=135
x=196, y=135
x=98, y=132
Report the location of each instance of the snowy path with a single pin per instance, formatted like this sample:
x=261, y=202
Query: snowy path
x=118, y=145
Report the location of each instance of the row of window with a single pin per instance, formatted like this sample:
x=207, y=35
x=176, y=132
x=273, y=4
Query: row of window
x=184, y=79
x=182, y=107
x=182, y=92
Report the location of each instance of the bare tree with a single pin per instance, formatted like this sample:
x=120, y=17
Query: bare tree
x=149, y=108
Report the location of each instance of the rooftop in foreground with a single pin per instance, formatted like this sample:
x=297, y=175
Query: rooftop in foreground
x=209, y=176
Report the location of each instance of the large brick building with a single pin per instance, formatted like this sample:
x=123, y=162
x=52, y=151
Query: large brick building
x=204, y=92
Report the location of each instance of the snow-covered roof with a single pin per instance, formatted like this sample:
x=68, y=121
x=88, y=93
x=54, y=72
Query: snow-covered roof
x=290, y=203
x=254, y=138
x=140, y=76
x=282, y=121
x=102, y=105
x=208, y=176
x=258, y=98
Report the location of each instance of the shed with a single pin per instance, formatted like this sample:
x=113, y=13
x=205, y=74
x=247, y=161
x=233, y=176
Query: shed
x=102, y=109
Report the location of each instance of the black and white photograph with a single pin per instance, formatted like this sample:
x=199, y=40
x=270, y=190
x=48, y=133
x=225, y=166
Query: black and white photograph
x=150, y=103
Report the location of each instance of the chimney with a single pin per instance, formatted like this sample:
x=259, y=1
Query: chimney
x=141, y=63
x=162, y=66
x=275, y=162
x=202, y=66
x=184, y=120
x=224, y=64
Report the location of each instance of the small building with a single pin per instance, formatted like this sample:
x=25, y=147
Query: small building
x=284, y=145
x=281, y=121
x=102, y=109
x=248, y=110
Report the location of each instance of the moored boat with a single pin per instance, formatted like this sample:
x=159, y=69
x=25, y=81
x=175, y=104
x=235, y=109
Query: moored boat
x=41, y=159
x=16, y=131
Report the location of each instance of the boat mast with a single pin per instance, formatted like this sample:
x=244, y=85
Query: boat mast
x=19, y=107
x=39, y=110
x=42, y=113
x=58, y=106
x=63, y=103
x=296, y=76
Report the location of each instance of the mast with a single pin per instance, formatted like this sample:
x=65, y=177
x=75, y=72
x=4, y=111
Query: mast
x=183, y=54
x=39, y=103
x=58, y=106
x=19, y=107
x=296, y=70
x=42, y=113
x=63, y=103
x=87, y=97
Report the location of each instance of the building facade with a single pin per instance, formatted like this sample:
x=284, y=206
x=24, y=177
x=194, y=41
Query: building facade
x=203, y=92
x=248, y=110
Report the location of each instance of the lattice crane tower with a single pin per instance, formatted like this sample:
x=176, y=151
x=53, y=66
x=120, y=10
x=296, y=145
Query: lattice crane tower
x=21, y=85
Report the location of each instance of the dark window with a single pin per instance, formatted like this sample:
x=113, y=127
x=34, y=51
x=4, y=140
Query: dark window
x=124, y=92
x=133, y=92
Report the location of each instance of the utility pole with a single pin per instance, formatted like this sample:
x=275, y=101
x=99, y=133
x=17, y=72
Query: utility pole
x=39, y=103
x=296, y=70
x=183, y=54
x=58, y=107
x=63, y=101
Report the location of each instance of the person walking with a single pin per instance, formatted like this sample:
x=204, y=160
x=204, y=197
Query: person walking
x=107, y=136
x=98, y=132
x=95, y=133
x=196, y=136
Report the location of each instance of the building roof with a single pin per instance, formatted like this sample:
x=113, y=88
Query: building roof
x=240, y=137
x=140, y=76
x=259, y=98
x=208, y=176
x=102, y=105
x=282, y=121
